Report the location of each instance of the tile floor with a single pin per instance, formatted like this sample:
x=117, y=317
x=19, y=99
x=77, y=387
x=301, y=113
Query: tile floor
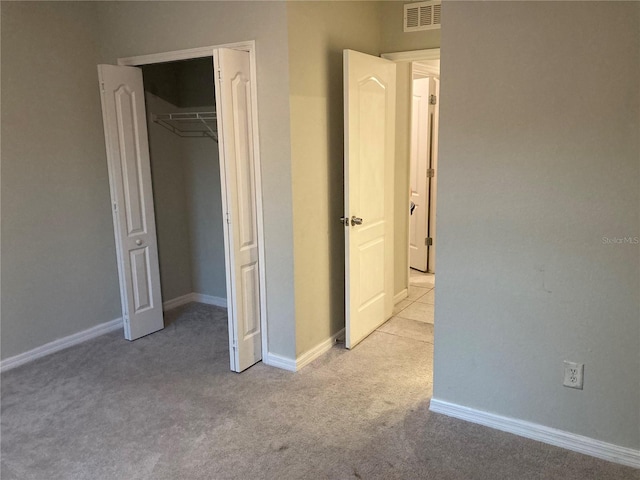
x=413, y=316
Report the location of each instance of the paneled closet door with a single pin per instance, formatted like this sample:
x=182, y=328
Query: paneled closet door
x=235, y=121
x=125, y=130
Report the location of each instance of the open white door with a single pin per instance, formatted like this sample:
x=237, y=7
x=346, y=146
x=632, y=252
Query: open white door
x=125, y=130
x=369, y=111
x=234, y=100
x=419, y=170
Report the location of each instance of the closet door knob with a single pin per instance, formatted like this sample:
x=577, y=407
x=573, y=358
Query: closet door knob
x=355, y=221
x=138, y=242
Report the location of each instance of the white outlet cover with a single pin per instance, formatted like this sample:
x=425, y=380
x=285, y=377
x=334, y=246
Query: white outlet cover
x=573, y=375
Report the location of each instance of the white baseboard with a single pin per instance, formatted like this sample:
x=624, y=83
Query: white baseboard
x=83, y=336
x=177, y=302
x=194, y=297
x=210, y=300
x=323, y=347
x=278, y=361
x=60, y=344
x=306, y=358
x=400, y=296
x=534, y=431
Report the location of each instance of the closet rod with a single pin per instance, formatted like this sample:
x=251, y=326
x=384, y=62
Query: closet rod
x=193, y=117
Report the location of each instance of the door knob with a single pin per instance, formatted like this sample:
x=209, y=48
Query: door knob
x=355, y=221
x=138, y=242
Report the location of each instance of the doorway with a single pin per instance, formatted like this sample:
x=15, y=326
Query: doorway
x=231, y=121
x=185, y=176
x=423, y=168
x=414, y=289
x=186, y=180
x=428, y=59
x=423, y=171
x=379, y=89
x=425, y=82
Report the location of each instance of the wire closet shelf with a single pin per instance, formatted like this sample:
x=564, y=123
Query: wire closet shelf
x=191, y=124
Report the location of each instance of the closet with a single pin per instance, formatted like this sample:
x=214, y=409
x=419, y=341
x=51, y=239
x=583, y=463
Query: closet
x=185, y=172
x=184, y=177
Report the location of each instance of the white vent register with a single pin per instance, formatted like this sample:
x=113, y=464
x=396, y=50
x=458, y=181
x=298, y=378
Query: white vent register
x=422, y=15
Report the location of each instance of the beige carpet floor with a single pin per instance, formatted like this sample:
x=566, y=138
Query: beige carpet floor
x=167, y=407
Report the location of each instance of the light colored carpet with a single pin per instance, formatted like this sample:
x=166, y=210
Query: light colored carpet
x=167, y=407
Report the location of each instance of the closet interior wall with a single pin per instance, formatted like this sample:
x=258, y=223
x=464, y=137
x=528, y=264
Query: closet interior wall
x=186, y=182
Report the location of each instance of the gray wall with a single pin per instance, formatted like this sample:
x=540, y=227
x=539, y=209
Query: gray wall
x=170, y=186
x=204, y=199
x=539, y=160
x=186, y=189
x=161, y=80
x=195, y=79
x=204, y=194
x=58, y=270
x=59, y=273
x=185, y=83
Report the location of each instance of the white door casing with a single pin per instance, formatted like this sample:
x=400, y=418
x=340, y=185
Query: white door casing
x=125, y=128
x=369, y=118
x=238, y=168
x=419, y=165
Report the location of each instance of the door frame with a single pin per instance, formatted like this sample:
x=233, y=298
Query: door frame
x=203, y=52
x=411, y=56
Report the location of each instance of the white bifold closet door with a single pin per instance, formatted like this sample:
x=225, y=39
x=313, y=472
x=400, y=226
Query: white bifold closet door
x=235, y=123
x=125, y=127
x=133, y=212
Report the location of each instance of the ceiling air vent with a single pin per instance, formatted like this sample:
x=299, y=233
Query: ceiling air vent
x=422, y=16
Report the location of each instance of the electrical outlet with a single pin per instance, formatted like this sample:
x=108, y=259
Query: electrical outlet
x=573, y=375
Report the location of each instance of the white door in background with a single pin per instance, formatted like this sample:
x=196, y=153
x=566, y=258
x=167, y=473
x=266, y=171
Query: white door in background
x=419, y=167
x=369, y=125
x=433, y=181
x=125, y=130
x=235, y=122
x=423, y=176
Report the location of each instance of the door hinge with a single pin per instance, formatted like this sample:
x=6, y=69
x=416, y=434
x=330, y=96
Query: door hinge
x=220, y=75
x=431, y=172
x=433, y=99
x=428, y=241
x=228, y=218
x=102, y=87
